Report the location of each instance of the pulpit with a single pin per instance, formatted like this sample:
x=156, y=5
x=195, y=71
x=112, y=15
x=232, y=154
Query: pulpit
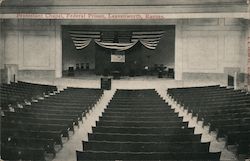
x=106, y=83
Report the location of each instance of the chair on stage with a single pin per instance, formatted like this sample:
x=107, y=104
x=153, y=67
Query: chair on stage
x=71, y=71
x=87, y=66
x=77, y=67
x=171, y=73
x=82, y=66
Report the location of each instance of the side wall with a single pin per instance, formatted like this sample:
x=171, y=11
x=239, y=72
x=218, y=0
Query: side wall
x=32, y=45
x=1, y=46
x=209, y=49
x=2, y=72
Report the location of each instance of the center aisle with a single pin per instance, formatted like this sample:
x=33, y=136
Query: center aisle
x=139, y=125
x=68, y=152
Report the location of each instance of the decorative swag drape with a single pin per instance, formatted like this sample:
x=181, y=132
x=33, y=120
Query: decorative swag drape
x=149, y=39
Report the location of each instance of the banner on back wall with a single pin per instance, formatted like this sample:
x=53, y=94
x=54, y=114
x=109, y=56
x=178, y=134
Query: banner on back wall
x=118, y=57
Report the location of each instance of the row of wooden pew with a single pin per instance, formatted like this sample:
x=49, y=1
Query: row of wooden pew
x=225, y=110
x=22, y=91
x=139, y=125
x=33, y=131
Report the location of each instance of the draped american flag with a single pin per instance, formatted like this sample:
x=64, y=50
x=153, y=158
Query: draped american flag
x=149, y=39
x=81, y=39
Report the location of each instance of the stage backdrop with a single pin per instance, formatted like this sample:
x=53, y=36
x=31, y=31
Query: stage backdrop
x=135, y=58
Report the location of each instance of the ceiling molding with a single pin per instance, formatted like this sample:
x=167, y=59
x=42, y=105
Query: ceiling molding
x=108, y=16
x=119, y=2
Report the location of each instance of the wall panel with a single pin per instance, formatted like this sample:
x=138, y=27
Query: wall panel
x=32, y=46
x=201, y=51
x=211, y=49
x=232, y=48
x=11, y=47
x=36, y=53
x=37, y=50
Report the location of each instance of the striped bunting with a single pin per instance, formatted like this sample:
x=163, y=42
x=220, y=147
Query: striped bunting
x=82, y=39
x=116, y=46
x=149, y=39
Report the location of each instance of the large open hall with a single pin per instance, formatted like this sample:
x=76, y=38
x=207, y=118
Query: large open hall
x=120, y=80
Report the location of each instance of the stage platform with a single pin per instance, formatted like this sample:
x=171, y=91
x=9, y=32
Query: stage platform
x=137, y=82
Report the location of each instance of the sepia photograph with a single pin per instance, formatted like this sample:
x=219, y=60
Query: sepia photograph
x=125, y=80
